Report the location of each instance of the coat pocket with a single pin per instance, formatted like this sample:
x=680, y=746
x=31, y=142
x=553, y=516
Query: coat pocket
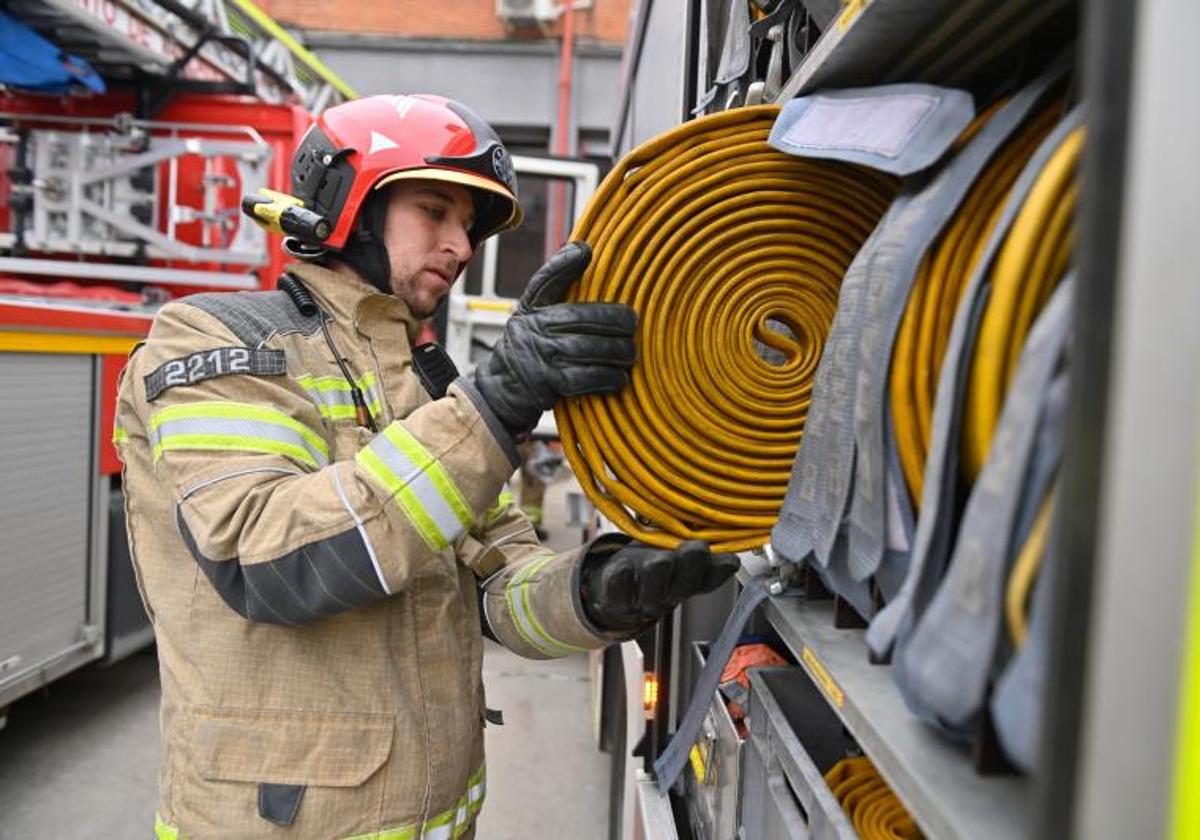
x=316, y=749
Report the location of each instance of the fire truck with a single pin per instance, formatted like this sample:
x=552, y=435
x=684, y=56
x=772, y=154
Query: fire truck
x=123, y=160
x=1118, y=702
x=124, y=154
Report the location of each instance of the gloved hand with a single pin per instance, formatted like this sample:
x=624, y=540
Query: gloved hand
x=635, y=584
x=552, y=349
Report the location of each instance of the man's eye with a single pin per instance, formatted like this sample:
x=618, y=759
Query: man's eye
x=435, y=213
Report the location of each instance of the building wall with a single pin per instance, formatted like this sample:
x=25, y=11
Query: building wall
x=512, y=84
x=604, y=21
x=462, y=49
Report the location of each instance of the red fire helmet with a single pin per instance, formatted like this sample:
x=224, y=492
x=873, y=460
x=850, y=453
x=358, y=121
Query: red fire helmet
x=362, y=145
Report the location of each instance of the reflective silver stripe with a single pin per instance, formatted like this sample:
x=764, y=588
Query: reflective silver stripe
x=476, y=793
x=417, y=493
x=440, y=832
x=342, y=398
x=232, y=433
x=331, y=394
x=440, y=512
x=448, y=825
x=526, y=621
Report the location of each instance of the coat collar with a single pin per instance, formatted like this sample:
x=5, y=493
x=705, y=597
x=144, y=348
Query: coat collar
x=351, y=299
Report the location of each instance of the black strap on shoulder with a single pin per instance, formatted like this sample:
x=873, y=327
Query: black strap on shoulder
x=434, y=367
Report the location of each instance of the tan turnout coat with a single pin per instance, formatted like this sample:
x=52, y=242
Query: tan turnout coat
x=315, y=588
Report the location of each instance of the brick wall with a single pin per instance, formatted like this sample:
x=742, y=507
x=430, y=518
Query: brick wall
x=606, y=21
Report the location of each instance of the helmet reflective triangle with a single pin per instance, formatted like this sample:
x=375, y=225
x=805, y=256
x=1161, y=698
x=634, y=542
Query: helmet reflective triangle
x=379, y=142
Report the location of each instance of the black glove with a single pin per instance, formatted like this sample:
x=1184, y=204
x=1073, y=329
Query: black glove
x=552, y=349
x=634, y=585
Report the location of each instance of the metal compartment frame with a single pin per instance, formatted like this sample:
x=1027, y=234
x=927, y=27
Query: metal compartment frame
x=794, y=738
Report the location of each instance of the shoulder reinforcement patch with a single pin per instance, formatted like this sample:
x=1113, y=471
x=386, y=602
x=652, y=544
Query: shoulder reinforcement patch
x=255, y=316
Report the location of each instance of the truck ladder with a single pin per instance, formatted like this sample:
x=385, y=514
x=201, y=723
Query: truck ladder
x=122, y=38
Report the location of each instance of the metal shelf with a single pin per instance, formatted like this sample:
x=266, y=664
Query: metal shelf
x=940, y=41
x=934, y=777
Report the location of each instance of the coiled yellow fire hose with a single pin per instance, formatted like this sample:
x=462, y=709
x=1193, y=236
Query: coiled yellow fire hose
x=717, y=240
x=1034, y=258
x=874, y=810
x=940, y=282
x=1024, y=573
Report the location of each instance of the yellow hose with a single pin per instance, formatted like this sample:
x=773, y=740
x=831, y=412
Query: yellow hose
x=937, y=290
x=1033, y=259
x=874, y=810
x=1024, y=572
x=728, y=250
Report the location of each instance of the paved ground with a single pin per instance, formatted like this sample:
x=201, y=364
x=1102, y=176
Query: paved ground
x=80, y=759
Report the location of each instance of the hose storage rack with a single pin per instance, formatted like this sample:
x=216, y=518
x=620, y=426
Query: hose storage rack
x=918, y=441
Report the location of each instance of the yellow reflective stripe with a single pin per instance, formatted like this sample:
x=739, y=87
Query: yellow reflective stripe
x=163, y=831
x=119, y=435
x=347, y=412
x=421, y=521
x=451, y=823
x=233, y=443
x=538, y=565
x=419, y=483
x=407, y=832
x=320, y=386
x=331, y=384
x=237, y=411
x=525, y=620
x=334, y=383
x=477, y=789
x=456, y=820
x=235, y=426
x=419, y=455
x=493, y=513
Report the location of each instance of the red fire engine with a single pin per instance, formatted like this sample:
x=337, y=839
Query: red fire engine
x=119, y=189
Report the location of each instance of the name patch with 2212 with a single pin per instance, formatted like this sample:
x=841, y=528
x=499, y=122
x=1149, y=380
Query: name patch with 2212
x=209, y=364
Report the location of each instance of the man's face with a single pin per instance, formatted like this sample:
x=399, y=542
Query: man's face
x=427, y=243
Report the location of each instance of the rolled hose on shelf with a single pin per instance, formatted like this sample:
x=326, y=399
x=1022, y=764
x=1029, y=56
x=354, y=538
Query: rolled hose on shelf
x=732, y=253
x=873, y=808
x=1033, y=260
x=937, y=290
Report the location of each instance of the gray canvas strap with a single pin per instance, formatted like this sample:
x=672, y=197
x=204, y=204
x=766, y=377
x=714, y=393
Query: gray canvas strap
x=901, y=525
x=1047, y=455
x=898, y=129
x=735, y=54
x=668, y=765
x=944, y=667
x=821, y=474
x=1017, y=702
x=935, y=527
x=909, y=237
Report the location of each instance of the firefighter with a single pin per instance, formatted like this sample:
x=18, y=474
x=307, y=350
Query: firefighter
x=316, y=517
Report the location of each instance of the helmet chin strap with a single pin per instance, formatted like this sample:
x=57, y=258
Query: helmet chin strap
x=366, y=251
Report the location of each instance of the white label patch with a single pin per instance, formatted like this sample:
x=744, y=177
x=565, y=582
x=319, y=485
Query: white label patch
x=870, y=124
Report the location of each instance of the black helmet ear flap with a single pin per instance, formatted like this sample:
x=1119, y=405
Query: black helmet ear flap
x=366, y=251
